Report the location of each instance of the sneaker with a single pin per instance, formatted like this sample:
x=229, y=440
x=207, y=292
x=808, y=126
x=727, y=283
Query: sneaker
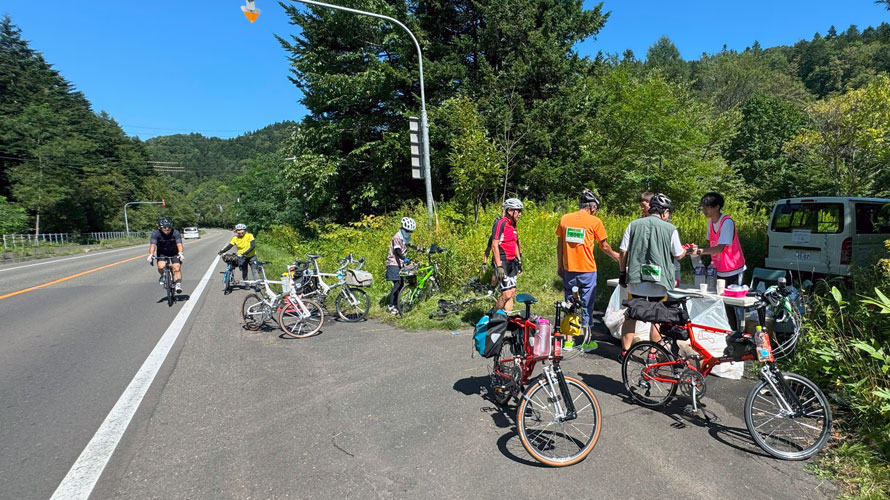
x=392, y=310
x=651, y=359
x=161, y=280
x=178, y=287
x=621, y=356
x=589, y=347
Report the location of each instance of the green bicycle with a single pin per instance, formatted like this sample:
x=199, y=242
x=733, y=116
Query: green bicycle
x=420, y=282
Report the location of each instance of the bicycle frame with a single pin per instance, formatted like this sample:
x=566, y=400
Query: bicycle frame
x=271, y=299
x=318, y=276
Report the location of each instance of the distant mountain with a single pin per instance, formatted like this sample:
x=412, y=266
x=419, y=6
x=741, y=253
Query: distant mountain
x=205, y=157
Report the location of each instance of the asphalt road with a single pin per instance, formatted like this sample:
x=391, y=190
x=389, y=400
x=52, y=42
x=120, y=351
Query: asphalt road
x=360, y=411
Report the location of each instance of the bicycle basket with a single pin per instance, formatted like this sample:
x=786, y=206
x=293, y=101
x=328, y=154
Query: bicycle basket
x=357, y=277
x=409, y=270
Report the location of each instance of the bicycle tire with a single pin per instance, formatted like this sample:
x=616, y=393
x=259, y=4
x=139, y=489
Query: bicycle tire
x=638, y=387
x=168, y=284
x=817, y=417
x=407, y=299
x=537, y=407
x=352, y=313
x=230, y=281
x=500, y=386
x=251, y=312
x=294, y=325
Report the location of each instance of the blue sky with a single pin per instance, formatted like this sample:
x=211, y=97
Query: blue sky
x=166, y=67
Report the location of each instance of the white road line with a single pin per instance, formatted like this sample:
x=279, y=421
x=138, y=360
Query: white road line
x=69, y=258
x=83, y=475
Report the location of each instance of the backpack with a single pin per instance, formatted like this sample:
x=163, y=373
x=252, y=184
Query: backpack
x=489, y=333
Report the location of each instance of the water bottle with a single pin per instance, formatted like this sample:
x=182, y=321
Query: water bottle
x=698, y=271
x=712, y=278
x=285, y=282
x=761, y=339
x=542, y=338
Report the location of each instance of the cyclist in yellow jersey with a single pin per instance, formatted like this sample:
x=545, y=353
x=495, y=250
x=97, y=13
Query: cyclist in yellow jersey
x=245, y=246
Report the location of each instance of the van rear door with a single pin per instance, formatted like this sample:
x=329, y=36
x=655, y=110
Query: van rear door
x=872, y=229
x=807, y=236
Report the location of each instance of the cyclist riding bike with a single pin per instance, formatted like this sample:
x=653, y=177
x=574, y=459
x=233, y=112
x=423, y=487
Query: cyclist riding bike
x=166, y=242
x=507, y=252
x=245, y=246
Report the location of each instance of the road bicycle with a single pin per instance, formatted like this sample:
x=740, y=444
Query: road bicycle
x=558, y=417
x=420, y=282
x=228, y=279
x=787, y=415
x=352, y=302
x=446, y=308
x=167, y=274
x=258, y=308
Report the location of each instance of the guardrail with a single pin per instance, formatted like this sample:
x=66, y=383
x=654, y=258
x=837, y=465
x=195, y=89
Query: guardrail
x=31, y=240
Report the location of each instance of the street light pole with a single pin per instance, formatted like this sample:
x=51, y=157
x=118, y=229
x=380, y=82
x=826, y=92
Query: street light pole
x=126, y=221
x=423, y=120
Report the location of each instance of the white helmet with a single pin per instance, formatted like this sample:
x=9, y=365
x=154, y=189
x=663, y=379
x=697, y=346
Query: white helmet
x=512, y=204
x=408, y=224
x=240, y=227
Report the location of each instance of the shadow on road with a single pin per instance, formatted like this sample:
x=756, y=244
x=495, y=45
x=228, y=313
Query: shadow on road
x=176, y=298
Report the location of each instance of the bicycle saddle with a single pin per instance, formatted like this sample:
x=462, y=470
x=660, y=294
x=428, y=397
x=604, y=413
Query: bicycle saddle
x=523, y=298
x=313, y=256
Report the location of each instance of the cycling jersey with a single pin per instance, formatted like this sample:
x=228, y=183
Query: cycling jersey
x=165, y=245
x=505, y=233
x=243, y=245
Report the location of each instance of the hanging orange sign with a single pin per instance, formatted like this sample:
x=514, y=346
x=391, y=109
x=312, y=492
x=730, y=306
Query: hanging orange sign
x=250, y=10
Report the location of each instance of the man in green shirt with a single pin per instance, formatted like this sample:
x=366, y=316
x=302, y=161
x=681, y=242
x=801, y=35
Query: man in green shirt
x=645, y=263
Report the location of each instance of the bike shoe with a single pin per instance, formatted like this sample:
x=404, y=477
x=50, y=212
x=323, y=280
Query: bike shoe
x=161, y=281
x=178, y=287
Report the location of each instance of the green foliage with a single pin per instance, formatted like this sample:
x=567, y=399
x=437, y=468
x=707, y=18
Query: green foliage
x=13, y=219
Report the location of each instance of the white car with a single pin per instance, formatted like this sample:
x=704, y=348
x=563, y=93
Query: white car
x=190, y=233
x=826, y=235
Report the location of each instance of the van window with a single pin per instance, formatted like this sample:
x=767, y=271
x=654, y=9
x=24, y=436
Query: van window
x=819, y=218
x=873, y=218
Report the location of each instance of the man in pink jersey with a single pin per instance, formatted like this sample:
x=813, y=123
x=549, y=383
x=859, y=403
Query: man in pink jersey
x=507, y=252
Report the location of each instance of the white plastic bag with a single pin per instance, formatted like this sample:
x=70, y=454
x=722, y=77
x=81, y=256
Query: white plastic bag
x=614, y=317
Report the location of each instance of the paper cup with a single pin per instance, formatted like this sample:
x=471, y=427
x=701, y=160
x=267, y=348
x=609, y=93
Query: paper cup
x=703, y=288
x=721, y=286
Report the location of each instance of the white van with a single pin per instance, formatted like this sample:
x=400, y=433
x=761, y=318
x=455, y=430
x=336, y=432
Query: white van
x=826, y=234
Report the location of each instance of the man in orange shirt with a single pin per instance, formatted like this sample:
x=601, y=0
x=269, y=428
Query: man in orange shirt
x=576, y=235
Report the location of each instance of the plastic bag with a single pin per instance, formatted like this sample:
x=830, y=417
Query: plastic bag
x=613, y=318
x=710, y=311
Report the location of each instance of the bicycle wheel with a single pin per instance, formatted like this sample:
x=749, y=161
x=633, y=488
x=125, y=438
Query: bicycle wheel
x=295, y=325
x=252, y=311
x=783, y=433
x=644, y=389
x=504, y=375
x=544, y=432
x=171, y=292
x=230, y=281
x=352, y=304
x=407, y=299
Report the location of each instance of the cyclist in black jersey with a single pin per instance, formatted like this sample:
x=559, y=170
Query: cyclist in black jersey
x=166, y=242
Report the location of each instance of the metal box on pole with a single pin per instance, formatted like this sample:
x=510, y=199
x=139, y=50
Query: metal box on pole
x=414, y=132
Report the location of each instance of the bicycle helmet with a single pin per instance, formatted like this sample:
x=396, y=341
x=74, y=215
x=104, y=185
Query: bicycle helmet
x=408, y=224
x=164, y=222
x=588, y=196
x=240, y=227
x=512, y=204
x=659, y=203
x=570, y=325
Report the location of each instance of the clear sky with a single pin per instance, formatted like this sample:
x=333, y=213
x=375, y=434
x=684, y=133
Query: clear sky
x=166, y=67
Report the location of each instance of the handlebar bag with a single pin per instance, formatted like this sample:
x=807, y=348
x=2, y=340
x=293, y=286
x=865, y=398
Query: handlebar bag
x=357, y=277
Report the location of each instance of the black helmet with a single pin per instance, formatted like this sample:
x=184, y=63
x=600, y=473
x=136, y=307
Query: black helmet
x=588, y=196
x=165, y=222
x=659, y=203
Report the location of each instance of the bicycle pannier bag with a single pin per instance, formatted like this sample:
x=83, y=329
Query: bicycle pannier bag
x=489, y=334
x=655, y=312
x=357, y=277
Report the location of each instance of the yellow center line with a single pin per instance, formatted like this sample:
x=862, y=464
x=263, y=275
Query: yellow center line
x=66, y=278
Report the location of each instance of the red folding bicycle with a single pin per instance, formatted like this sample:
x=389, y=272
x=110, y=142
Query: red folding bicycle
x=787, y=415
x=558, y=417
